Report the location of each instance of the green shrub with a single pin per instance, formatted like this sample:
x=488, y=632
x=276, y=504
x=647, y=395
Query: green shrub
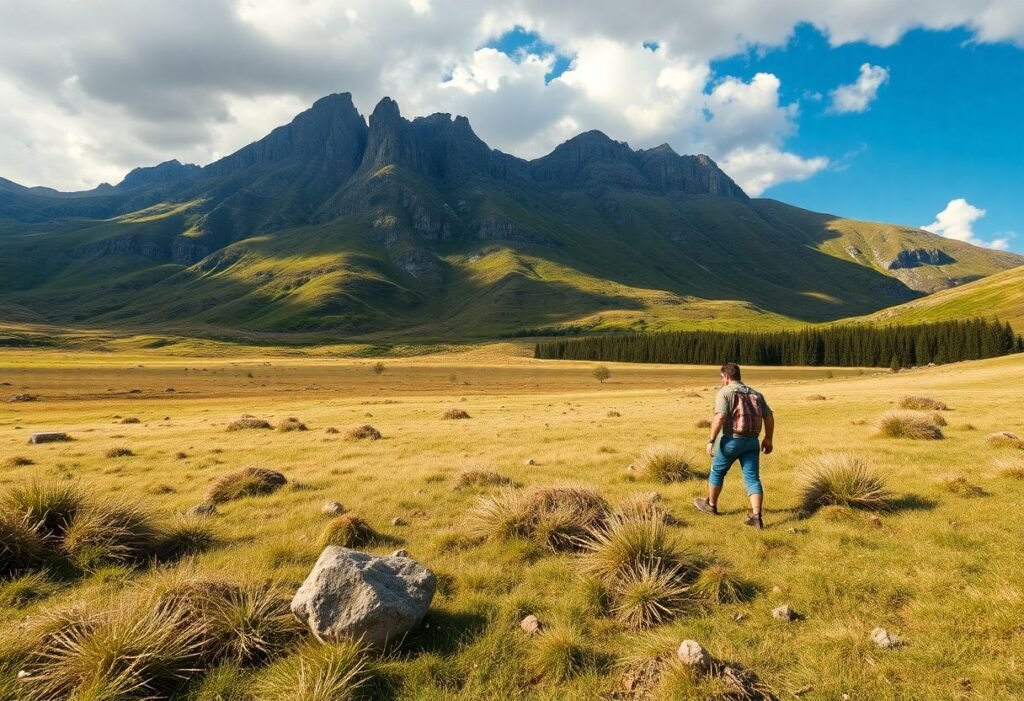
x=840, y=479
x=961, y=487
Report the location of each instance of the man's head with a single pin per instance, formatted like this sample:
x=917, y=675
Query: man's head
x=730, y=373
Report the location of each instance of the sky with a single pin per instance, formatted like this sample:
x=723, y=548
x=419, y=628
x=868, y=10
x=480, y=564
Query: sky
x=906, y=112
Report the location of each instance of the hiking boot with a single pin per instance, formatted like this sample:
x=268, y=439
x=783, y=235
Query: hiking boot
x=754, y=521
x=706, y=506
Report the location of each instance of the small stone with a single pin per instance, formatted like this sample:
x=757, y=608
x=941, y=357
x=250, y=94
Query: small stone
x=884, y=639
x=204, y=510
x=741, y=616
x=529, y=461
x=23, y=674
x=784, y=613
x=398, y=522
x=332, y=508
x=965, y=683
x=400, y=553
x=692, y=654
x=530, y=624
x=630, y=467
x=874, y=520
x=776, y=589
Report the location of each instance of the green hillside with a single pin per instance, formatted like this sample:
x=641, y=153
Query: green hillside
x=1000, y=295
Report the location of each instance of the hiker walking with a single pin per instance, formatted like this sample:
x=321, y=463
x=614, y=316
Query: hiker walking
x=740, y=411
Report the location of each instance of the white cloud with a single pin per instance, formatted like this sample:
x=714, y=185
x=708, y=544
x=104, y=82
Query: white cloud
x=957, y=220
x=858, y=96
x=93, y=89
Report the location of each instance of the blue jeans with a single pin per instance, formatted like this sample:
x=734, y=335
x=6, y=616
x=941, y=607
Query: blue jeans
x=746, y=449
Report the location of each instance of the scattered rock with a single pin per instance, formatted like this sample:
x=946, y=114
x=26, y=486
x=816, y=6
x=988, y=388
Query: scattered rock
x=400, y=553
x=630, y=467
x=530, y=624
x=529, y=461
x=884, y=639
x=22, y=398
x=693, y=655
x=350, y=595
x=332, y=430
x=741, y=616
x=399, y=522
x=23, y=674
x=776, y=589
x=49, y=437
x=874, y=520
x=784, y=613
x=202, y=510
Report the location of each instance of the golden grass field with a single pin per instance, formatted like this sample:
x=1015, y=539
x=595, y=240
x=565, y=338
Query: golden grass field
x=940, y=570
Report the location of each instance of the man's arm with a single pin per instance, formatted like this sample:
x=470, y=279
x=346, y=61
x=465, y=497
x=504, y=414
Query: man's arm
x=769, y=434
x=716, y=427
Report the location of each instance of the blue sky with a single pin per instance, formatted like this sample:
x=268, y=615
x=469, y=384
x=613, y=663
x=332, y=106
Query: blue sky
x=946, y=125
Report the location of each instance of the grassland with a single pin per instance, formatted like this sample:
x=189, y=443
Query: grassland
x=940, y=569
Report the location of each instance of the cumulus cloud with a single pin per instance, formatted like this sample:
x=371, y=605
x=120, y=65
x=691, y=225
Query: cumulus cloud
x=858, y=96
x=91, y=90
x=957, y=220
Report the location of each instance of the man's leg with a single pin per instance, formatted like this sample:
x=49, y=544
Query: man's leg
x=720, y=465
x=750, y=464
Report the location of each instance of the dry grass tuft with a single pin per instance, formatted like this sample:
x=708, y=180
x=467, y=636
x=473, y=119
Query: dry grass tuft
x=1005, y=439
x=130, y=420
x=703, y=423
x=17, y=461
x=840, y=479
x=618, y=546
x=247, y=482
x=291, y=424
x=918, y=403
x=560, y=653
x=649, y=595
x=348, y=531
x=187, y=535
x=815, y=397
x=961, y=487
x=938, y=419
x=110, y=533
x=121, y=452
x=1011, y=467
x=721, y=585
x=908, y=424
x=481, y=478
x=21, y=547
x=663, y=464
x=558, y=517
x=248, y=422
x=454, y=413
x=366, y=432
x=613, y=415
x=48, y=508
x=330, y=430
x=643, y=505
x=316, y=672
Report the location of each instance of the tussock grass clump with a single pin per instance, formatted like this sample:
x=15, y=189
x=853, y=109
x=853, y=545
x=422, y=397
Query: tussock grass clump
x=962, y=487
x=316, y=672
x=721, y=585
x=454, y=414
x=110, y=533
x=481, y=478
x=558, y=517
x=909, y=424
x=613, y=414
x=248, y=422
x=643, y=505
x=664, y=464
x=1011, y=467
x=560, y=653
x=17, y=461
x=25, y=589
x=119, y=452
x=918, y=403
x=291, y=424
x=815, y=397
x=619, y=546
x=331, y=430
x=649, y=595
x=130, y=420
x=187, y=535
x=1005, y=439
x=21, y=548
x=348, y=531
x=840, y=479
x=366, y=432
x=128, y=652
x=247, y=482
x=703, y=423
x=48, y=508
x=938, y=419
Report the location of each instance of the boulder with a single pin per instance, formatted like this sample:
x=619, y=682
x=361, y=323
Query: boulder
x=784, y=613
x=48, y=437
x=351, y=595
x=693, y=655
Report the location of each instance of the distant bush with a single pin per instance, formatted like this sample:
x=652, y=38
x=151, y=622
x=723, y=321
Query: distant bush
x=247, y=482
x=1005, y=439
x=291, y=424
x=120, y=452
x=455, y=414
x=365, y=432
x=17, y=461
x=663, y=464
x=248, y=422
x=316, y=672
x=110, y=533
x=348, y=531
x=481, y=478
x=379, y=367
x=601, y=373
x=908, y=424
x=130, y=420
x=922, y=403
x=613, y=414
x=840, y=479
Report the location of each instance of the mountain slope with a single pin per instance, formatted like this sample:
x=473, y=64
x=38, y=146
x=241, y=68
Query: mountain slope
x=1000, y=295
x=392, y=228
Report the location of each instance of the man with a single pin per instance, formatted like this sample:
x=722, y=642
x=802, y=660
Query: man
x=739, y=414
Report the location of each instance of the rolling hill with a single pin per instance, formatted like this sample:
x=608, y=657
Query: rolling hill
x=387, y=228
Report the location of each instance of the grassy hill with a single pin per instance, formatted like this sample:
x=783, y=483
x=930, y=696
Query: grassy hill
x=1000, y=295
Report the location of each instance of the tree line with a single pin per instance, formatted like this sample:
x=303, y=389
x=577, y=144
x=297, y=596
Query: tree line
x=844, y=345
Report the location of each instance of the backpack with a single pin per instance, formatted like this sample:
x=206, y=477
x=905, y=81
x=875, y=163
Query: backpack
x=747, y=413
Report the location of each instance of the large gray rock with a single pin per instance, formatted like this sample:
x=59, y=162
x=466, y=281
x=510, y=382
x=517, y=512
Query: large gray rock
x=351, y=595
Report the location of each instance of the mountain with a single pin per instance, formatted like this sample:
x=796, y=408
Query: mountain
x=394, y=228
x=1000, y=295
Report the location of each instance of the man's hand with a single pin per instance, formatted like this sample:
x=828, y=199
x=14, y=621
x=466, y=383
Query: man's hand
x=711, y=449
x=766, y=446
